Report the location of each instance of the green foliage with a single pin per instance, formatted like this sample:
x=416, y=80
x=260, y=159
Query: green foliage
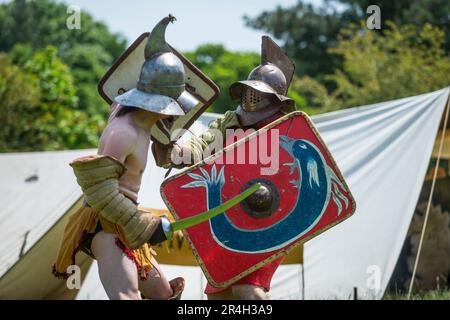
x=88, y=64
x=19, y=96
x=362, y=66
x=416, y=12
x=64, y=109
x=55, y=80
x=310, y=96
x=49, y=96
x=404, y=61
x=58, y=123
x=40, y=106
x=20, y=53
x=309, y=32
x=43, y=22
x=425, y=295
x=224, y=68
x=26, y=26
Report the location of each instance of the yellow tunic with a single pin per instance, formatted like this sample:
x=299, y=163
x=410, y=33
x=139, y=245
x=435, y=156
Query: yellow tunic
x=83, y=222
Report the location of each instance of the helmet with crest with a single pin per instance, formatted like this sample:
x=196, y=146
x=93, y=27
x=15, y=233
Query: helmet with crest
x=264, y=92
x=161, y=84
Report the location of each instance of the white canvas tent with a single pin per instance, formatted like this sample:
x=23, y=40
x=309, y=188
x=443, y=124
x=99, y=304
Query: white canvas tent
x=383, y=151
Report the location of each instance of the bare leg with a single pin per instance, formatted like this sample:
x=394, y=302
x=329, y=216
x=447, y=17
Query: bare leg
x=118, y=273
x=249, y=292
x=156, y=286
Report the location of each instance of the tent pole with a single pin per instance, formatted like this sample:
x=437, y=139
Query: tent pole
x=433, y=183
x=303, y=281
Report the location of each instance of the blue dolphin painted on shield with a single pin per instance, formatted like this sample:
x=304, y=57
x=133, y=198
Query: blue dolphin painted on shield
x=313, y=195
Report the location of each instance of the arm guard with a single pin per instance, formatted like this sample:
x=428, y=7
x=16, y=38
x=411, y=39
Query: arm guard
x=98, y=177
x=195, y=145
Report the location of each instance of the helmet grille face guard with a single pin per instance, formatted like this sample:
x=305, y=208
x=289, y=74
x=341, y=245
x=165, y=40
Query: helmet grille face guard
x=253, y=100
x=251, y=97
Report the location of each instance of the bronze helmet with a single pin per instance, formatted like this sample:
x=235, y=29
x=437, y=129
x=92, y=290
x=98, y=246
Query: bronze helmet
x=269, y=81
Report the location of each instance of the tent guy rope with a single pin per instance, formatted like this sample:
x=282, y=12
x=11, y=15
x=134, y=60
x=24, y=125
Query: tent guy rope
x=430, y=198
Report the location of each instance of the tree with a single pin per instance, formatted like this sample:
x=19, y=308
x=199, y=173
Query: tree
x=40, y=107
x=415, y=12
x=310, y=96
x=59, y=125
x=88, y=63
x=16, y=108
x=309, y=32
x=26, y=26
x=406, y=60
x=43, y=22
x=306, y=32
x=224, y=68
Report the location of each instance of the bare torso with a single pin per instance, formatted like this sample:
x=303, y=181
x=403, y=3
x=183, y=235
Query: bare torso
x=127, y=138
x=128, y=142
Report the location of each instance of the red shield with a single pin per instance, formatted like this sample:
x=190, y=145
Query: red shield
x=303, y=195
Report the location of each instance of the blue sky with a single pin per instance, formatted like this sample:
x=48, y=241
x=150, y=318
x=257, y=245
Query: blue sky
x=198, y=21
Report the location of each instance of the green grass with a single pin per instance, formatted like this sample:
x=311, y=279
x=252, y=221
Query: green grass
x=426, y=295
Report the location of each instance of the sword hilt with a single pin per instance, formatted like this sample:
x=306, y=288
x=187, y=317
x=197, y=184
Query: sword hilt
x=162, y=233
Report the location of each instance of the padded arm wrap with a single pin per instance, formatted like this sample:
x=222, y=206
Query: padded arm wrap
x=98, y=177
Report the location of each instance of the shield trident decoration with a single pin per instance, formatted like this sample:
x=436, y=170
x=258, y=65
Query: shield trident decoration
x=303, y=194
